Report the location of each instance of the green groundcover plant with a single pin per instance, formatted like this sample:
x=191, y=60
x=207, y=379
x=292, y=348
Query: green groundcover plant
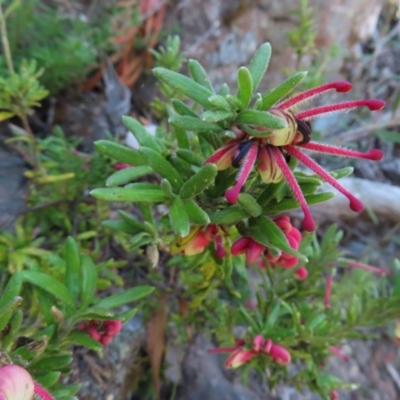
x=209, y=199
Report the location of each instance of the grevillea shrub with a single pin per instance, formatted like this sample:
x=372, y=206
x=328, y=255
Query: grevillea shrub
x=220, y=179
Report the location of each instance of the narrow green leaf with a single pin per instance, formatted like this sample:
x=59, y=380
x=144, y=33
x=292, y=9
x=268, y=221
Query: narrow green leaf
x=73, y=263
x=216, y=115
x=119, y=152
x=260, y=118
x=89, y=279
x=234, y=102
x=127, y=175
x=93, y=313
x=193, y=124
x=259, y=64
x=182, y=109
x=127, y=315
x=219, y=102
x=199, y=74
x=196, y=214
x=47, y=379
x=245, y=86
x=143, y=137
x=53, y=362
x=49, y=284
x=249, y=203
x=266, y=232
x=130, y=195
x=292, y=204
x=12, y=289
x=167, y=188
x=224, y=90
x=162, y=166
x=273, y=96
x=132, y=221
x=83, y=339
x=178, y=218
x=181, y=137
x=184, y=85
x=10, y=306
x=190, y=156
x=231, y=215
x=119, y=225
x=125, y=297
x=199, y=181
x=15, y=324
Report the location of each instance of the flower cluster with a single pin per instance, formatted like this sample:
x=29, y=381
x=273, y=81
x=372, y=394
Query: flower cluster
x=17, y=384
x=241, y=355
x=102, y=331
x=254, y=250
x=270, y=150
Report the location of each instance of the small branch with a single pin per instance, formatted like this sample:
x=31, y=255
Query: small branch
x=4, y=40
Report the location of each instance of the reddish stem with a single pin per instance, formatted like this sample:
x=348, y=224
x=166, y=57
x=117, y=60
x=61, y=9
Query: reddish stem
x=341, y=86
x=41, y=392
x=328, y=291
x=373, y=154
x=355, y=204
x=372, y=104
x=366, y=267
x=308, y=222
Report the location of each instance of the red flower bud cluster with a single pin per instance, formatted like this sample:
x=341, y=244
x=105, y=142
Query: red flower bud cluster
x=102, y=331
x=240, y=355
x=254, y=250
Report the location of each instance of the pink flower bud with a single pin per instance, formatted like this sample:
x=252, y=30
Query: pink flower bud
x=112, y=327
x=105, y=339
x=301, y=274
x=120, y=166
x=268, y=346
x=94, y=333
x=283, y=223
x=258, y=342
x=15, y=383
x=334, y=395
x=280, y=354
x=240, y=246
x=239, y=357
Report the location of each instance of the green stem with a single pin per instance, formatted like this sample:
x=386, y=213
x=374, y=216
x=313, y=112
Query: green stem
x=4, y=40
x=35, y=150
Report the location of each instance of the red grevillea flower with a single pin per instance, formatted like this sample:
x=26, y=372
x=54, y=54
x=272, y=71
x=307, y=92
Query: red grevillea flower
x=270, y=152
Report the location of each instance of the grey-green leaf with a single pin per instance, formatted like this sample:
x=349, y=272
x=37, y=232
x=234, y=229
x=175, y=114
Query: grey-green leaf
x=179, y=218
x=162, y=166
x=131, y=195
x=245, y=86
x=184, y=85
x=89, y=279
x=273, y=96
x=193, y=124
x=125, y=297
x=119, y=152
x=73, y=263
x=260, y=118
x=199, y=181
x=143, y=137
x=127, y=175
x=49, y=284
x=259, y=64
x=199, y=74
